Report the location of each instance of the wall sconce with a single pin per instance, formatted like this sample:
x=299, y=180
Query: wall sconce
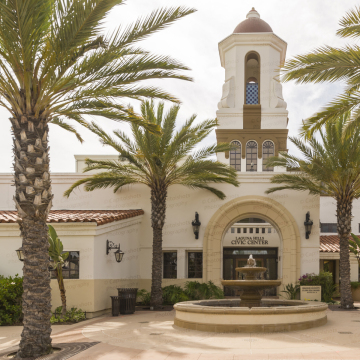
x=111, y=246
x=20, y=253
x=196, y=225
x=308, y=224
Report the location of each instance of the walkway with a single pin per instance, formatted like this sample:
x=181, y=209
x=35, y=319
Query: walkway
x=151, y=335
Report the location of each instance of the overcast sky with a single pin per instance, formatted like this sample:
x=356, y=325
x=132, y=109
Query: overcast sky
x=304, y=25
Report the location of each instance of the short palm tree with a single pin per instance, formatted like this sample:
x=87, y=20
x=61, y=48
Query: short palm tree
x=329, y=166
x=332, y=64
x=159, y=162
x=56, y=64
x=57, y=261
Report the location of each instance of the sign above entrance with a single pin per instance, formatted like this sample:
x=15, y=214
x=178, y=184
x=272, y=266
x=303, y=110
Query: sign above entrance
x=250, y=240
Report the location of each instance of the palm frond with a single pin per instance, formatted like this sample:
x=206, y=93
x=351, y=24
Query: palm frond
x=167, y=159
x=67, y=127
x=350, y=24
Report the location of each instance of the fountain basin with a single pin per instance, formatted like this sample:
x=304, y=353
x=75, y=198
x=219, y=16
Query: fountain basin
x=227, y=316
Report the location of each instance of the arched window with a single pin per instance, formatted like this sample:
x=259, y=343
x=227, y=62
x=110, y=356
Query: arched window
x=251, y=156
x=252, y=77
x=235, y=155
x=268, y=150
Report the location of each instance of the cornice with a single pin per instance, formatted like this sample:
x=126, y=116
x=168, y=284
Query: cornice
x=262, y=39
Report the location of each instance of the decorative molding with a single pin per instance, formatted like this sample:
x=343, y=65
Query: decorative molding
x=252, y=117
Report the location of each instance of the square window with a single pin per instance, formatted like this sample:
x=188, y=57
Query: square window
x=269, y=230
x=257, y=230
x=238, y=230
x=263, y=230
x=232, y=230
x=170, y=265
x=251, y=230
x=195, y=265
x=71, y=268
x=245, y=230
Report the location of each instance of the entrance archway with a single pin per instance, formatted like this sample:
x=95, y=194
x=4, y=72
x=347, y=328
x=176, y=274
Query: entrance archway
x=253, y=206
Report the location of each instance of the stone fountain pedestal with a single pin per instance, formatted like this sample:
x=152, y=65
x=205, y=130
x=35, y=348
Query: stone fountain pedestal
x=251, y=286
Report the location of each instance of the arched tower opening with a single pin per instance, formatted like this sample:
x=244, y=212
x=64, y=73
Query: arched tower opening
x=252, y=78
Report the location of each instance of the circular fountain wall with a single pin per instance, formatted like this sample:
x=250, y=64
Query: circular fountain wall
x=227, y=316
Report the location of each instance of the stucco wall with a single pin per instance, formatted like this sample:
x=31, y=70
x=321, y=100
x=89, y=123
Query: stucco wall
x=328, y=213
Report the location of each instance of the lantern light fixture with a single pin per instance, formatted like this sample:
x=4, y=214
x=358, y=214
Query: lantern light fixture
x=196, y=225
x=20, y=253
x=119, y=254
x=308, y=224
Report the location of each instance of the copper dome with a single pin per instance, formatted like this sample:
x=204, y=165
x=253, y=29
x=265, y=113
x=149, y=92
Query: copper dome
x=253, y=24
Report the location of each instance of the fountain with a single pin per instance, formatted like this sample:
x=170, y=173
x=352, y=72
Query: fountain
x=251, y=313
x=252, y=287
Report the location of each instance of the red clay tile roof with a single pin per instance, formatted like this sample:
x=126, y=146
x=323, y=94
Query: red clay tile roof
x=100, y=217
x=330, y=243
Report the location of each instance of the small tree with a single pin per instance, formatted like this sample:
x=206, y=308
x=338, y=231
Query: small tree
x=58, y=259
x=160, y=162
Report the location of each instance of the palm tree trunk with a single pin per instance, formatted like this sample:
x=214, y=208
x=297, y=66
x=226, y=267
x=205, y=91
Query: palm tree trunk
x=343, y=213
x=60, y=280
x=33, y=202
x=158, y=210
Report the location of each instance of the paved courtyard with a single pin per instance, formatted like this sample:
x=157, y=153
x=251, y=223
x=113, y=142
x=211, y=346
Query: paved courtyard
x=151, y=335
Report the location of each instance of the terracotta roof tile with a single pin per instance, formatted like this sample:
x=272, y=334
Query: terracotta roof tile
x=330, y=243
x=100, y=217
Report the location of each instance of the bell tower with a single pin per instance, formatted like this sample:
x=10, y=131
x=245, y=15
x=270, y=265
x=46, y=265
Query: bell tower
x=252, y=111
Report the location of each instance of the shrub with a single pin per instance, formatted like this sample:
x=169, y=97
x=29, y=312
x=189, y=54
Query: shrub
x=199, y=291
x=194, y=290
x=144, y=296
x=291, y=290
x=73, y=315
x=355, y=284
x=325, y=280
x=10, y=299
x=173, y=294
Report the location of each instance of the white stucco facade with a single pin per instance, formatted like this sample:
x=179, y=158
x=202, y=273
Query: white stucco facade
x=239, y=120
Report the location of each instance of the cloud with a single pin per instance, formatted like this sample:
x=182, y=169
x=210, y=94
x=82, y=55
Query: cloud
x=304, y=25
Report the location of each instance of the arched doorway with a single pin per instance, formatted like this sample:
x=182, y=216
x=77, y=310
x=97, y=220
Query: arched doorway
x=252, y=206
x=259, y=238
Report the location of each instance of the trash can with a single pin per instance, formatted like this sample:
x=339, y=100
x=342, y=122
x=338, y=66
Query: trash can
x=127, y=300
x=115, y=305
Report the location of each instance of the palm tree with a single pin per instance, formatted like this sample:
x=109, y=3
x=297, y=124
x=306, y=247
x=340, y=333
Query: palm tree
x=329, y=166
x=331, y=64
x=56, y=65
x=159, y=162
x=58, y=260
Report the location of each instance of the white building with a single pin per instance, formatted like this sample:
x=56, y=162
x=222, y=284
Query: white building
x=252, y=114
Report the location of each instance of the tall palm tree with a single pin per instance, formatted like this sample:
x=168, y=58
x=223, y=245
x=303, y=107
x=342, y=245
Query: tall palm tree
x=159, y=162
x=56, y=65
x=329, y=166
x=58, y=260
x=329, y=64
